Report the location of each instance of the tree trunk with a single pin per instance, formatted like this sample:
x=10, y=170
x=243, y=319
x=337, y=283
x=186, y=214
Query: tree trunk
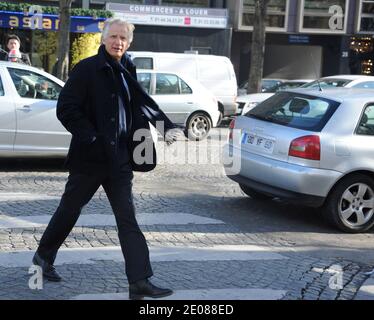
x=64, y=40
x=258, y=47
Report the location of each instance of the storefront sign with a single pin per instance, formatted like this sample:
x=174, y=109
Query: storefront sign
x=170, y=16
x=48, y=22
x=298, y=39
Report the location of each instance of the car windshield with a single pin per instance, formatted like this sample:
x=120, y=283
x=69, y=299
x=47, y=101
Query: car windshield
x=295, y=110
x=283, y=86
x=327, y=83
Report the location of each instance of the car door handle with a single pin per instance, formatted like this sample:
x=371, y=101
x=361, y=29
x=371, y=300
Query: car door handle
x=25, y=109
x=189, y=102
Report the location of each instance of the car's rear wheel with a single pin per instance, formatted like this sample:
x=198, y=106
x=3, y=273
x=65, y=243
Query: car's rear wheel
x=198, y=126
x=254, y=194
x=350, y=206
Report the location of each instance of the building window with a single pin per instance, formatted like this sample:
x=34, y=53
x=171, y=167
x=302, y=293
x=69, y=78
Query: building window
x=362, y=55
x=326, y=16
x=188, y=3
x=276, y=15
x=366, y=17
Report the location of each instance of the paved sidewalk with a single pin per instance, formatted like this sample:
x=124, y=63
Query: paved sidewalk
x=207, y=240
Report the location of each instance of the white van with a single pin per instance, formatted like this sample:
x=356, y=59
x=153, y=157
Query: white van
x=216, y=73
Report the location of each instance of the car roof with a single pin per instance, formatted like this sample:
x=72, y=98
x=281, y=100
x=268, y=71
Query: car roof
x=299, y=80
x=349, y=77
x=31, y=68
x=338, y=94
x=136, y=54
x=18, y=65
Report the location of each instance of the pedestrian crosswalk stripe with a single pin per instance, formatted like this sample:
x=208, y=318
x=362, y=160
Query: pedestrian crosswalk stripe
x=157, y=254
x=91, y=220
x=197, y=295
x=23, y=196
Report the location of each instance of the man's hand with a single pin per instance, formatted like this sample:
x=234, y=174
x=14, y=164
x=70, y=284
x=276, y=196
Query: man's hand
x=172, y=135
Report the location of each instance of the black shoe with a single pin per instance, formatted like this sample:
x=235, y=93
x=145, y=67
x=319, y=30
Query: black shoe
x=145, y=288
x=49, y=271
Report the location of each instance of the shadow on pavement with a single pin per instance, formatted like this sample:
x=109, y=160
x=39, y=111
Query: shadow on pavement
x=32, y=164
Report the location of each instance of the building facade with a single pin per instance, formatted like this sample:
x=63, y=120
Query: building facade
x=177, y=25
x=307, y=38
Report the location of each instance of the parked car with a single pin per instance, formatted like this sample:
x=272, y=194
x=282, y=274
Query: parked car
x=216, y=73
x=249, y=101
x=28, y=123
x=310, y=147
x=346, y=81
x=265, y=84
x=184, y=100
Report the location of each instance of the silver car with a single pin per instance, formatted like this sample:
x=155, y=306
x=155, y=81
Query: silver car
x=28, y=122
x=309, y=147
x=184, y=100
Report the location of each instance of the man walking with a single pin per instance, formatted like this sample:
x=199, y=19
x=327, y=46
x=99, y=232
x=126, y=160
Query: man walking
x=102, y=105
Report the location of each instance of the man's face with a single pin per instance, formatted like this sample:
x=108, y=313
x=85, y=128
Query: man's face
x=116, y=41
x=13, y=44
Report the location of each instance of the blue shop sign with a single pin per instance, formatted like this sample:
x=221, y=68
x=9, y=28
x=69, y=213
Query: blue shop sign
x=48, y=22
x=298, y=39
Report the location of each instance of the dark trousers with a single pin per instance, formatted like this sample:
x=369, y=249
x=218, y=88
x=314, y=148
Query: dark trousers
x=79, y=190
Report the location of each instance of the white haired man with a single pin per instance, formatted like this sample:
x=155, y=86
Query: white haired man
x=102, y=105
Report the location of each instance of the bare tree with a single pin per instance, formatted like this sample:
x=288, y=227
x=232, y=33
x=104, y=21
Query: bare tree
x=258, y=46
x=64, y=40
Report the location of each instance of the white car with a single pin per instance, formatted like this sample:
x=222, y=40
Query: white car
x=265, y=84
x=249, y=101
x=184, y=100
x=28, y=122
x=200, y=67
x=346, y=81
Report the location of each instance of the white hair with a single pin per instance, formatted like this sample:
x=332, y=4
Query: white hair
x=109, y=22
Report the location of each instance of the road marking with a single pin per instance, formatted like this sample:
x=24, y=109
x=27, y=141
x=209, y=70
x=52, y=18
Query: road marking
x=366, y=291
x=22, y=196
x=91, y=220
x=205, y=294
x=157, y=254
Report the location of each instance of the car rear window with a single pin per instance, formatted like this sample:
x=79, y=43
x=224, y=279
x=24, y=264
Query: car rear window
x=295, y=110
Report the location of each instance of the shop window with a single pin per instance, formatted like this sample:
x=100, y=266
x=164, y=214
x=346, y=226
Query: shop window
x=362, y=55
x=366, y=17
x=276, y=15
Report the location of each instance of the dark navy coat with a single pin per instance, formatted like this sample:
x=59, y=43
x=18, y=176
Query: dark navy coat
x=88, y=107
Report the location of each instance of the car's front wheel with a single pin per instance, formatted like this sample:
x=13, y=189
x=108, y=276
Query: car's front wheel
x=350, y=206
x=254, y=194
x=198, y=126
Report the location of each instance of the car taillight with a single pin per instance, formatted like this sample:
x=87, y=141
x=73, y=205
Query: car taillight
x=307, y=147
x=231, y=131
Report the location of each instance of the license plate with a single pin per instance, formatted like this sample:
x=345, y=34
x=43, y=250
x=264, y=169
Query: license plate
x=258, y=142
